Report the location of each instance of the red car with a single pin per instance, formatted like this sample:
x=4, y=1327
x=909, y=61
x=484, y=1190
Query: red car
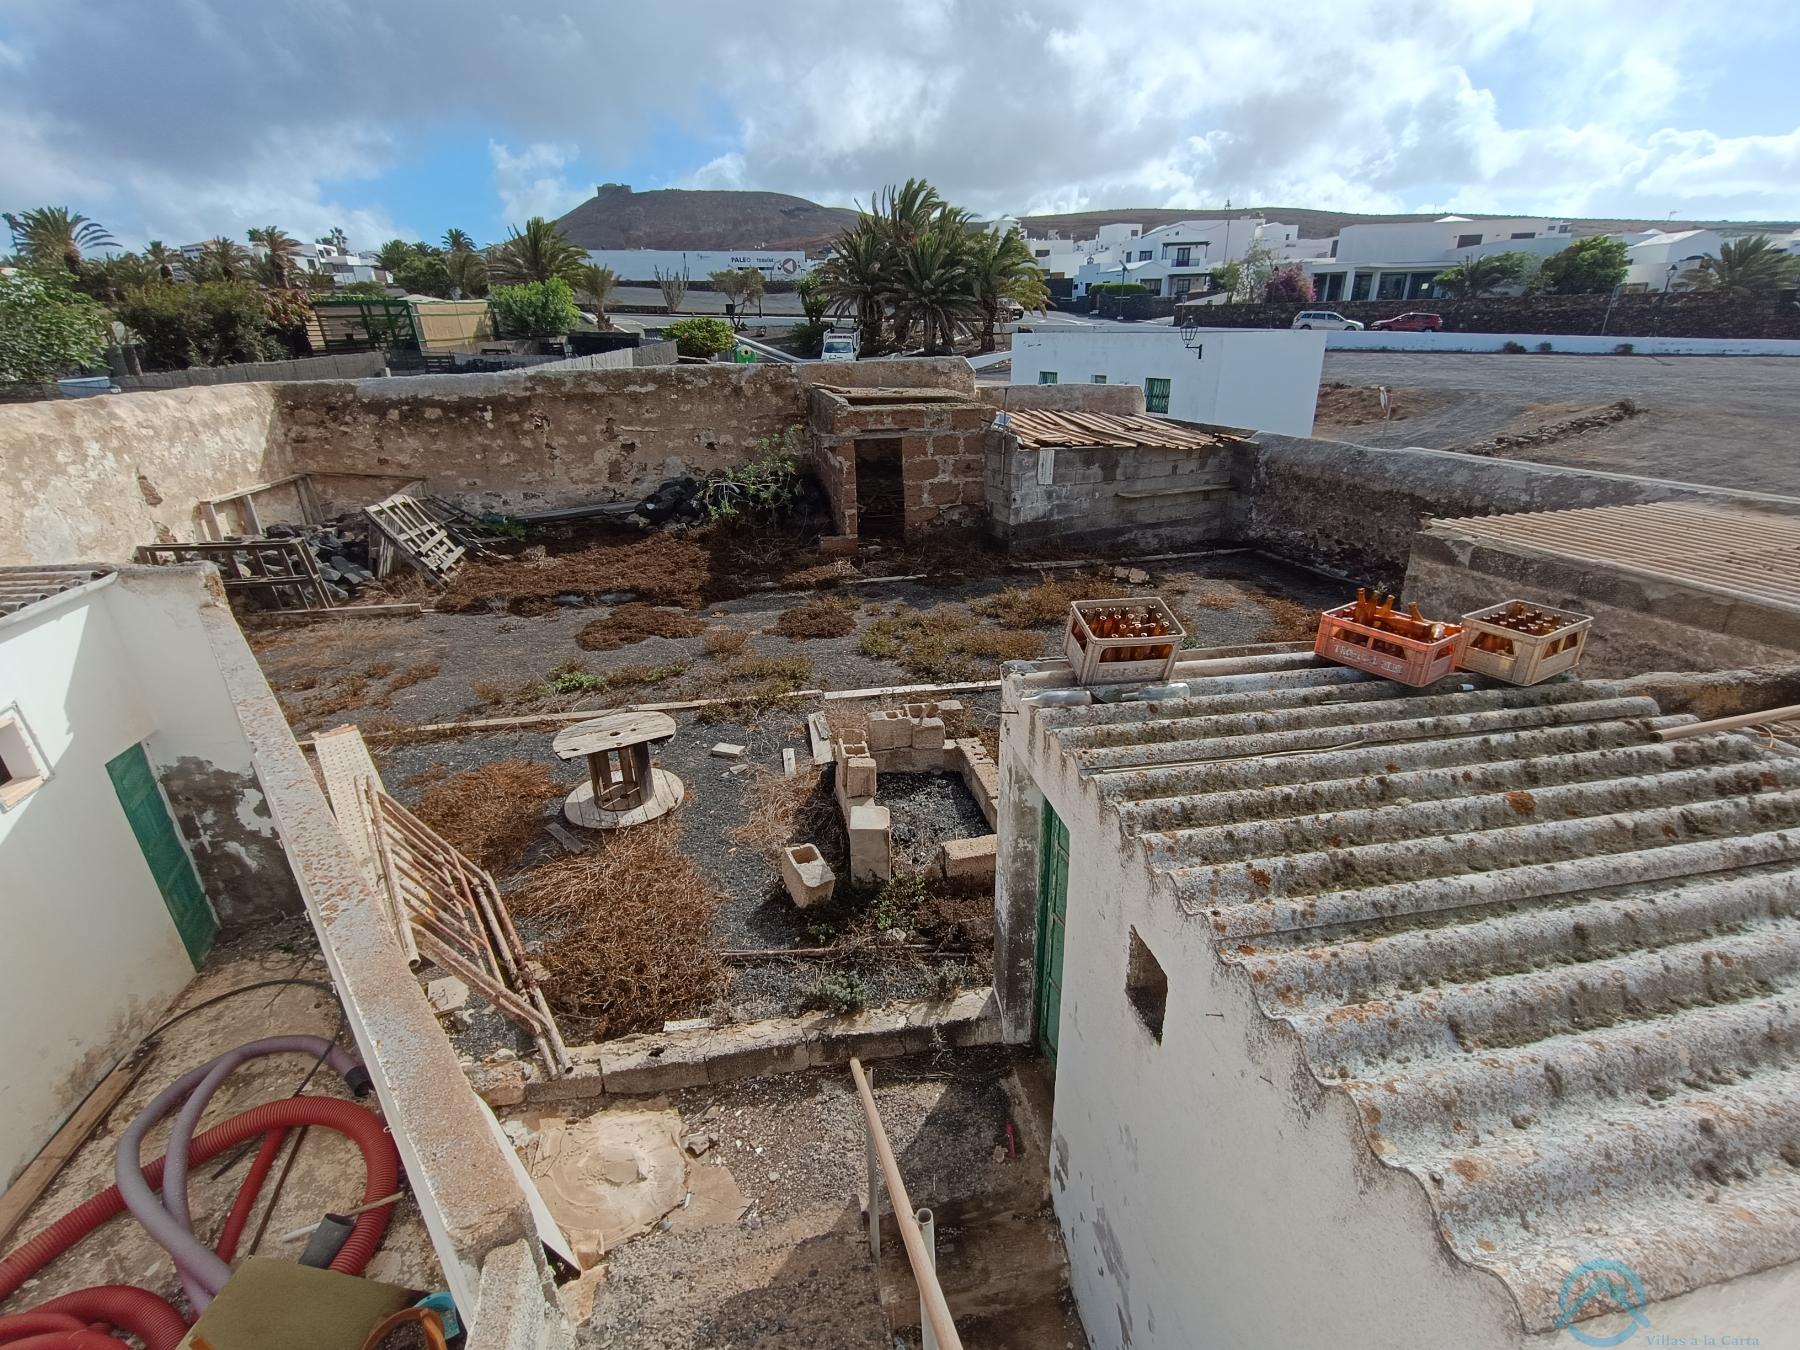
x=1409, y=323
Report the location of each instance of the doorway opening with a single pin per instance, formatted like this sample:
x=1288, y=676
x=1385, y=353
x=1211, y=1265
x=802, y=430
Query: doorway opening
x=880, y=491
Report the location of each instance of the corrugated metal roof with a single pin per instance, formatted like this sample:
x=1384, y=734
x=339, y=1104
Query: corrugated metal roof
x=21, y=587
x=1037, y=428
x=1742, y=553
x=1554, y=960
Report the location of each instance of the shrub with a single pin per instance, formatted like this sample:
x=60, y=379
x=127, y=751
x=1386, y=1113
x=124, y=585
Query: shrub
x=765, y=489
x=216, y=324
x=1510, y=346
x=1545, y=348
x=808, y=339
x=700, y=337
x=1100, y=288
x=1288, y=286
x=542, y=310
x=46, y=329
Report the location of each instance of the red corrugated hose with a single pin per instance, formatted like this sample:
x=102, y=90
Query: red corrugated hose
x=150, y=1318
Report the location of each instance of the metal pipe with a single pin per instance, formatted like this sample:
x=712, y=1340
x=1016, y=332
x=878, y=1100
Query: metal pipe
x=1786, y=714
x=874, y=1176
x=928, y=1224
x=934, y=1312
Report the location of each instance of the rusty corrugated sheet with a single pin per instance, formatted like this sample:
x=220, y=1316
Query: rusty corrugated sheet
x=1554, y=961
x=1037, y=428
x=1746, y=553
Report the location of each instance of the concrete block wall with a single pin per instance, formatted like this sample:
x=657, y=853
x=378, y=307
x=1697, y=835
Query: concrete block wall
x=1127, y=400
x=1151, y=498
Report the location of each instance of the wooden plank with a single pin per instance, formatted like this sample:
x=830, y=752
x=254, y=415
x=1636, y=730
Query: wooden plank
x=31, y=1184
x=612, y=731
x=393, y=611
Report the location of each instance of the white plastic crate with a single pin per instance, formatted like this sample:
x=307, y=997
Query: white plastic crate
x=1129, y=659
x=1523, y=658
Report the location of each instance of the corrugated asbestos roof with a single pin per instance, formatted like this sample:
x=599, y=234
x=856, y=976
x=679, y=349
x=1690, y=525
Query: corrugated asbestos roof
x=1745, y=553
x=1554, y=961
x=1040, y=427
x=21, y=587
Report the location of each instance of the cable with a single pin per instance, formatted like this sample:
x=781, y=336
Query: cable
x=186, y=1013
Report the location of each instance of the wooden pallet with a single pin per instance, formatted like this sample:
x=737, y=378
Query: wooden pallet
x=415, y=534
x=282, y=571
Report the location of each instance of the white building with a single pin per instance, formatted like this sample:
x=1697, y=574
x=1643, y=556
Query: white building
x=1398, y=260
x=642, y=264
x=1259, y=379
x=1348, y=1053
x=1657, y=259
x=1171, y=260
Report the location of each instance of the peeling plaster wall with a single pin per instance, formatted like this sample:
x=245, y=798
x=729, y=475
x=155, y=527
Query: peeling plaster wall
x=527, y=441
x=92, y=478
x=91, y=957
x=1211, y=1194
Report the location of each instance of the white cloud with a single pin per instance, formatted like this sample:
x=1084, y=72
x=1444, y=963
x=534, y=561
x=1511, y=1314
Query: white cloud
x=185, y=120
x=531, y=182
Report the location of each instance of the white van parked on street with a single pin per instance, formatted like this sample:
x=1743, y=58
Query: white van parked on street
x=840, y=345
x=1325, y=318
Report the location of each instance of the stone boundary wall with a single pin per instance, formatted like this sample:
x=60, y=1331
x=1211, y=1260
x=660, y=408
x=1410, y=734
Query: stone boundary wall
x=348, y=366
x=1354, y=509
x=1688, y=314
x=1560, y=344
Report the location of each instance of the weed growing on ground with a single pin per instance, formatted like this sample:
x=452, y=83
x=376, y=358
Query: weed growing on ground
x=1047, y=603
x=492, y=813
x=380, y=670
x=793, y=672
x=784, y=811
x=724, y=642
x=945, y=644
x=414, y=674
x=839, y=991
x=823, y=616
x=948, y=979
x=633, y=622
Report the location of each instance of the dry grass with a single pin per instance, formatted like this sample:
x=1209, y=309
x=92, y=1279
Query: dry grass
x=633, y=622
x=633, y=923
x=380, y=670
x=1289, y=620
x=823, y=616
x=414, y=674
x=345, y=692
x=1215, y=597
x=492, y=813
x=665, y=567
x=1047, y=603
x=784, y=811
x=723, y=642
x=946, y=644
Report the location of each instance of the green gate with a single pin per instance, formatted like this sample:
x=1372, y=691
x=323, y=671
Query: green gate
x=1052, y=909
x=169, y=863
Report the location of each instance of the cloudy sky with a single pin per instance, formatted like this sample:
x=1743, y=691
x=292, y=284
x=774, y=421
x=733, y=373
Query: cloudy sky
x=180, y=119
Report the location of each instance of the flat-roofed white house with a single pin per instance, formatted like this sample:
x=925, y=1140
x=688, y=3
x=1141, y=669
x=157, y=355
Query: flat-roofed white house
x=1398, y=260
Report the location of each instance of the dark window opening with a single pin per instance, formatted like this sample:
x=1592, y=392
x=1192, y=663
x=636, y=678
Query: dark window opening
x=1467, y=240
x=1146, y=986
x=880, y=494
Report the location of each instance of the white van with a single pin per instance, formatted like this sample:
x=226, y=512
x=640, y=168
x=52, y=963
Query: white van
x=1325, y=318
x=840, y=345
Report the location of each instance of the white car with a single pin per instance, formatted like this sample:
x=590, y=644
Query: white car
x=839, y=345
x=1325, y=318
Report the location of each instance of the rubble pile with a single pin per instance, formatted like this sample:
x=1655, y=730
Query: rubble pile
x=341, y=549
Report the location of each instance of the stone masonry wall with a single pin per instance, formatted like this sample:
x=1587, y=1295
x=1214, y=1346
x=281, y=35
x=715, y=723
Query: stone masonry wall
x=523, y=442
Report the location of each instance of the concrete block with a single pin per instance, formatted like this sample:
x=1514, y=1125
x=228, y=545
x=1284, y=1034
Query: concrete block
x=888, y=731
x=857, y=777
x=498, y=1084
x=653, y=1063
x=928, y=734
x=968, y=859
x=807, y=876
x=790, y=763
x=751, y=1051
x=871, y=843
x=725, y=750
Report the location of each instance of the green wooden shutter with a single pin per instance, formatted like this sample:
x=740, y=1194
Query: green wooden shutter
x=160, y=844
x=1053, y=904
x=1156, y=395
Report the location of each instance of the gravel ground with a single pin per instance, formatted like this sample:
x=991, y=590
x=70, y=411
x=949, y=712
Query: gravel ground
x=1722, y=420
x=444, y=667
x=792, y=1270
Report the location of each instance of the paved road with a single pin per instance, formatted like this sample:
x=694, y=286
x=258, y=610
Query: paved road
x=1724, y=420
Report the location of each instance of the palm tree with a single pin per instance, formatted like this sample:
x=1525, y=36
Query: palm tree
x=468, y=272
x=52, y=235
x=393, y=255
x=163, y=258
x=220, y=259
x=907, y=212
x=1744, y=266
x=458, y=241
x=539, y=252
x=282, y=249
x=1001, y=268
x=932, y=282
x=599, y=282
x=336, y=238
x=1474, y=276
x=854, y=277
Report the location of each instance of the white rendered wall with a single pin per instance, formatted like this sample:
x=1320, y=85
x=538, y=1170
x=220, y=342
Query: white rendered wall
x=91, y=957
x=1259, y=379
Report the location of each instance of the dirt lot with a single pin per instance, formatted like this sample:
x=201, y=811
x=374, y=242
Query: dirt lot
x=1726, y=421
x=905, y=940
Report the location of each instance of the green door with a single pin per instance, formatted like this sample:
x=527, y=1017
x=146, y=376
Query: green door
x=161, y=846
x=1053, y=905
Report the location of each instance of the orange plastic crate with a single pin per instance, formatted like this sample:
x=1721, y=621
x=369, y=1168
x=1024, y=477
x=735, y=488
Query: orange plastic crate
x=1403, y=660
